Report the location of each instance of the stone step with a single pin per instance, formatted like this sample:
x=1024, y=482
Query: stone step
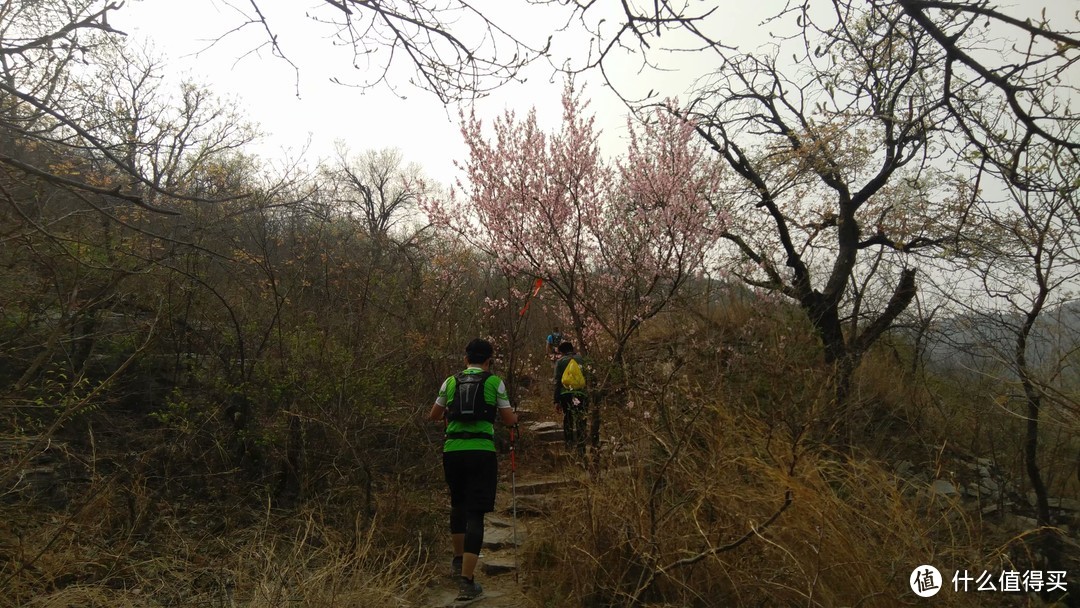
x=556, y=455
x=498, y=564
x=496, y=538
x=549, y=436
x=541, y=426
x=533, y=505
x=494, y=520
x=540, y=486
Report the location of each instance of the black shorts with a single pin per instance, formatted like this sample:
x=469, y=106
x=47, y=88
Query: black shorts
x=472, y=476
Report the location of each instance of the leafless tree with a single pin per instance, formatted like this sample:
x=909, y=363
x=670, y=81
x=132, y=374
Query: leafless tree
x=40, y=42
x=377, y=185
x=836, y=177
x=1014, y=55
x=924, y=76
x=453, y=49
x=166, y=131
x=1003, y=72
x=1016, y=290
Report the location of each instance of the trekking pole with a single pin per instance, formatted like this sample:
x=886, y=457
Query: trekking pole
x=513, y=498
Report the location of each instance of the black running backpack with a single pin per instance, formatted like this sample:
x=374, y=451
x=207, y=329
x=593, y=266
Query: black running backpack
x=468, y=403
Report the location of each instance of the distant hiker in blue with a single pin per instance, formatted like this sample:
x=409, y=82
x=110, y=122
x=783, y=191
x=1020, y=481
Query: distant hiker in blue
x=554, y=339
x=571, y=399
x=468, y=401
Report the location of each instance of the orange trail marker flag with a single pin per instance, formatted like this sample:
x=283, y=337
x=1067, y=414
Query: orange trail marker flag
x=536, y=289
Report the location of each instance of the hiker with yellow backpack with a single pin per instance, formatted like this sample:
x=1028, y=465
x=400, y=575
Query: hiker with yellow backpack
x=571, y=400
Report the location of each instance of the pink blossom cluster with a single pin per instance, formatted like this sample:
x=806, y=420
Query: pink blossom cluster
x=612, y=240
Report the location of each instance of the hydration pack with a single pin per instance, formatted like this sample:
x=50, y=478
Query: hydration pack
x=468, y=403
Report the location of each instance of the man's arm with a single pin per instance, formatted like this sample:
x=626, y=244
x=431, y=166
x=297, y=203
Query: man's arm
x=438, y=409
x=508, y=416
x=437, y=413
x=502, y=400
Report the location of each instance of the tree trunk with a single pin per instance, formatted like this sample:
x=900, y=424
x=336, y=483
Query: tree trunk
x=824, y=315
x=1047, y=539
x=291, y=490
x=844, y=356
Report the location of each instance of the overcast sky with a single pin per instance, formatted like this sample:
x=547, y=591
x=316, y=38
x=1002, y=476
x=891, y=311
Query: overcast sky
x=294, y=108
x=420, y=125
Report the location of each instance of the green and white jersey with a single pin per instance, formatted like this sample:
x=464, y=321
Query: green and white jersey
x=494, y=392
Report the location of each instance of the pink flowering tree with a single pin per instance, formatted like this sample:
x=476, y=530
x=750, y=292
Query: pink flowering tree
x=613, y=241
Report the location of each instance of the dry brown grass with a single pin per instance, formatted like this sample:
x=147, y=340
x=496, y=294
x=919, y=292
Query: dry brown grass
x=720, y=486
x=310, y=557
x=703, y=523
x=730, y=487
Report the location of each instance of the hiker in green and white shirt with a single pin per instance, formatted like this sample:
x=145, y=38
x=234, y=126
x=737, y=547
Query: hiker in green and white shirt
x=571, y=399
x=469, y=401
